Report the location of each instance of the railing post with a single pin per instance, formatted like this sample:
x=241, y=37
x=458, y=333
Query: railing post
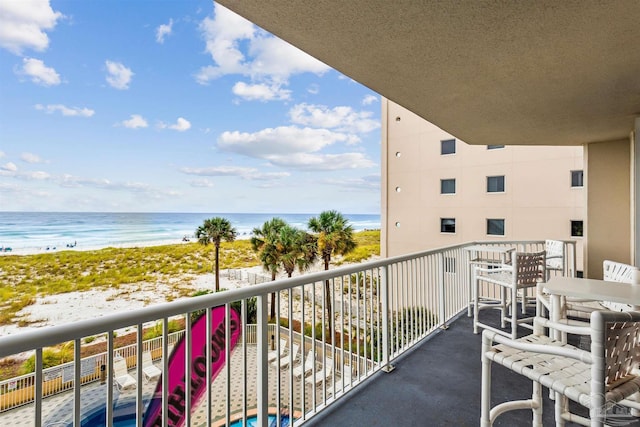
x=262, y=380
x=441, y=292
x=386, y=350
x=37, y=393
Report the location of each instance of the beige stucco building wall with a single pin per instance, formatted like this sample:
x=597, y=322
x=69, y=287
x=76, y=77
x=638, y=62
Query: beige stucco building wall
x=538, y=201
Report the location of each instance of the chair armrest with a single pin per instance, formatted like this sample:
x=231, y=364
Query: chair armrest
x=568, y=326
x=489, y=337
x=493, y=270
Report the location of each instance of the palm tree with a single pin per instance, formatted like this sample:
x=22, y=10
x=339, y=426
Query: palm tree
x=335, y=236
x=214, y=230
x=265, y=241
x=298, y=249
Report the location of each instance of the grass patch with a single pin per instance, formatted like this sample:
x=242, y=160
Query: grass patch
x=25, y=277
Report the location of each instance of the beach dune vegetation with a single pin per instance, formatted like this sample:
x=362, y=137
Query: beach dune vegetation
x=24, y=278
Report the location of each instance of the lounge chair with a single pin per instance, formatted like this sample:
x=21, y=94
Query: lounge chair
x=121, y=375
x=302, y=370
x=344, y=381
x=149, y=370
x=321, y=376
x=286, y=359
x=277, y=353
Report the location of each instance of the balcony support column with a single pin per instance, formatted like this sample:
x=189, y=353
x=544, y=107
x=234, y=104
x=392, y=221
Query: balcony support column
x=608, y=233
x=635, y=188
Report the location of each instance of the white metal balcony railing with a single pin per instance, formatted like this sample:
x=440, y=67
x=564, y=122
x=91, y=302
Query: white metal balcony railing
x=379, y=310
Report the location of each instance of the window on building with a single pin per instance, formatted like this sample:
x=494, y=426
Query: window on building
x=448, y=146
x=447, y=225
x=577, y=179
x=448, y=186
x=495, y=227
x=576, y=229
x=494, y=147
x=495, y=184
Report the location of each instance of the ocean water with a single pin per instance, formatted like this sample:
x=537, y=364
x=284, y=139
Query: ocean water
x=48, y=231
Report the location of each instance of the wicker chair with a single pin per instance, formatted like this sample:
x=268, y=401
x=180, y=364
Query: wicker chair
x=597, y=380
x=555, y=256
x=525, y=271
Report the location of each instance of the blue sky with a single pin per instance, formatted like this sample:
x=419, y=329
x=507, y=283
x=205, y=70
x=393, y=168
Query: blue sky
x=136, y=106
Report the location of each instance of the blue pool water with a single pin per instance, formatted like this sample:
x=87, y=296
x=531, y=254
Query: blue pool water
x=252, y=421
x=124, y=416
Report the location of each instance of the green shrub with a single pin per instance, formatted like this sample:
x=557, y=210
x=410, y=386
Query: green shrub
x=319, y=329
x=156, y=330
x=50, y=357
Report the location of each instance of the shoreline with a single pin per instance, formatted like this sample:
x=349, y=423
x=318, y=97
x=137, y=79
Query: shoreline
x=54, y=249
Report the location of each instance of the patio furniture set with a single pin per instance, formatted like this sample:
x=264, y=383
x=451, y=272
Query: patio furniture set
x=604, y=379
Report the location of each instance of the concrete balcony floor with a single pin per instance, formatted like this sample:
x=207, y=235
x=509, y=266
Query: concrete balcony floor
x=438, y=383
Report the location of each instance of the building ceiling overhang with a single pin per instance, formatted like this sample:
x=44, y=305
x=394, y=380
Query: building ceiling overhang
x=544, y=72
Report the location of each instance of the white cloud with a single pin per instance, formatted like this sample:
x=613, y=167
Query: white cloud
x=201, y=183
x=31, y=158
x=9, y=167
x=35, y=175
x=261, y=92
x=370, y=99
x=71, y=181
x=342, y=118
x=313, y=89
x=239, y=171
x=9, y=188
x=369, y=182
x=294, y=147
x=2, y=154
x=118, y=75
x=181, y=125
x=322, y=162
x=135, y=122
x=268, y=58
x=279, y=141
x=39, y=73
x=23, y=24
x=164, y=30
x=66, y=111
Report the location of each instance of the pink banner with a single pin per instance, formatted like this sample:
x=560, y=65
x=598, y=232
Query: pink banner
x=176, y=398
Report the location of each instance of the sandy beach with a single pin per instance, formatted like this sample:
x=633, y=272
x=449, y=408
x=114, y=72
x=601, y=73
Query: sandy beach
x=70, y=307
x=78, y=247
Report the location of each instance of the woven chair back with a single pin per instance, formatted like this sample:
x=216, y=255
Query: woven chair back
x=618, y=272
x=530, y=267
x=555, y=253
x=622, y=346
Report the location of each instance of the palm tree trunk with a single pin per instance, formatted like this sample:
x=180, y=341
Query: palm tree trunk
x=273, y=298
x=217, y=267
x=327, y=292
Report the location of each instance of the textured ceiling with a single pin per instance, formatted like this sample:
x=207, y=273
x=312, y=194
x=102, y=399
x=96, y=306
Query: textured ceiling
x=489, y=72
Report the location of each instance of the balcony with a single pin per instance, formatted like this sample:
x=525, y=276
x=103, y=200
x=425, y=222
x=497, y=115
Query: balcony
x=406, y=314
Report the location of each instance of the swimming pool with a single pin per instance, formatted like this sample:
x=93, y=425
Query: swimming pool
x=253, y=421
x=124, y=415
